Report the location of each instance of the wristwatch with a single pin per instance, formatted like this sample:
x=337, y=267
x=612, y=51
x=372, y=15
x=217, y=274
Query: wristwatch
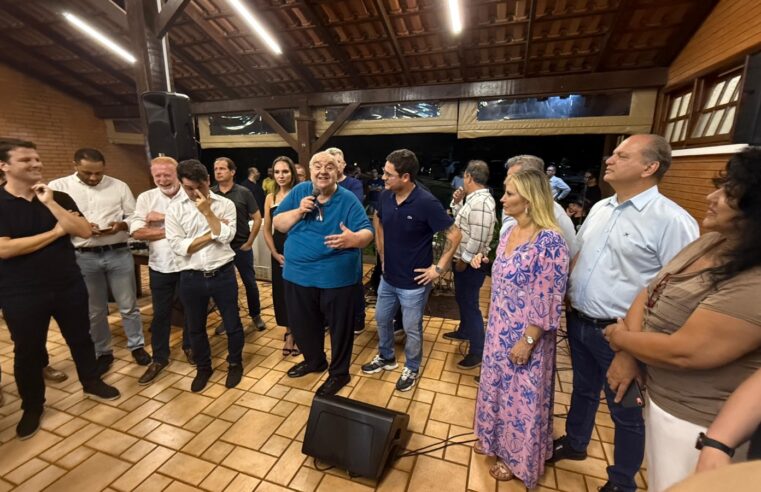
x=705, y=441
x=438, y=269
x=529, y=339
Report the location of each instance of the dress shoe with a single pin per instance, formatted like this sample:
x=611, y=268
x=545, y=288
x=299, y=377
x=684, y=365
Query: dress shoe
x=103, y=363
x=258, y=322
x=561, y=450
x=333, y=385
x=100, y=390
x=220, y=330
x=609, y=487
x=29, y=423
x=54, y=375
x=234, y=375
x=154, y=369
x=142, y=357
x=189, y=355
x=199, y=382
x=471, y=361
x=454, y=335
x=302, y=369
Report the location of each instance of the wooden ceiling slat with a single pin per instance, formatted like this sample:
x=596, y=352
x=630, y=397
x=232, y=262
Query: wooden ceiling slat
x=392, y=37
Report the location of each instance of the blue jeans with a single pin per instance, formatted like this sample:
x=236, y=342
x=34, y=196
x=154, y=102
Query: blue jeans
x=196, y=289
x=164, y=291
x=413, y=303
x=467, y=287
x=591, y=356
x=244, y=263
x=113, y=269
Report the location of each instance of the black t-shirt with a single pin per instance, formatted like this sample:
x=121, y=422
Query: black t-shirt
x=245, y=206
x=52, y=266
x=257, y=191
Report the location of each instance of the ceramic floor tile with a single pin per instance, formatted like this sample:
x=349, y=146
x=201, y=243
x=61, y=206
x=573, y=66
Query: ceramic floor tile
x=170, y=436
x=243, y=483
x=186, y=468
x=249, y=461
x=253, y=429
x=95, y=473
x=181, y=409
x=218, y=479
x=306, y=480
x=287, y=466
x=15, y=453
x=437, y=475
x=453, y=409
x=112, y=442
x=41, y=480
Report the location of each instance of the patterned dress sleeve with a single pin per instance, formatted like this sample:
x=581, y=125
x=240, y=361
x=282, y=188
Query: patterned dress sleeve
x=547, y=282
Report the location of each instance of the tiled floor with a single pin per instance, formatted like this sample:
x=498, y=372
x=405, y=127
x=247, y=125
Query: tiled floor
x=163, y=437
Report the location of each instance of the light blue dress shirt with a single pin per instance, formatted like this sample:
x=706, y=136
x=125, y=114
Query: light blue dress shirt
x=622, y=246
x=560, y=188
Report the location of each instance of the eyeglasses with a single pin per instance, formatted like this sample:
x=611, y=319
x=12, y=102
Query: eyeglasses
x=389, y=176
x=652, y=299
x=328, y=167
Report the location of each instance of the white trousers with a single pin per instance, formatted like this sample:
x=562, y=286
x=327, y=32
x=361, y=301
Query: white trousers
x=669, y=447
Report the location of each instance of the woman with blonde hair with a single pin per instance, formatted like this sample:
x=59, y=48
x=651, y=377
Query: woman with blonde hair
x=513, y=419
x=284, y=173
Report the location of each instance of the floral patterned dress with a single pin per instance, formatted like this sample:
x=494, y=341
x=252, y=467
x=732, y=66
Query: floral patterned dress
x=513, y=418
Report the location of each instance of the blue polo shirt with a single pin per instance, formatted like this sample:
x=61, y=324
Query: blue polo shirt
x=308, y=262
x=408, y=230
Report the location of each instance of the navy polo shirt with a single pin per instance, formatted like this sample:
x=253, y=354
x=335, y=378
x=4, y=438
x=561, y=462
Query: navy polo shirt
x=408, y=230
x=53, y=266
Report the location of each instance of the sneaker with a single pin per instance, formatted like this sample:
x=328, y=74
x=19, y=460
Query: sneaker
x=379, y=364
x=454, y=335
x=103, y=363
x=471, y=361
x=54, y=375
x=29, y=423
x=199, y=382
x=234, y=375
x=101, y=391
x=259, y=323
x=154, y=369
x=359, y=328
x=562, y=450
x=407, y=380
x=142, y=357
x=189, y=355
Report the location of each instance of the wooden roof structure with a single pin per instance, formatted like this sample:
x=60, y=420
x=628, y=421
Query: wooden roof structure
x=347, y=45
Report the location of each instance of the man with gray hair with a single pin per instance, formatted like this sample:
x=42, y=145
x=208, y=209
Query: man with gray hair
x=475, y=219
x=520, y=162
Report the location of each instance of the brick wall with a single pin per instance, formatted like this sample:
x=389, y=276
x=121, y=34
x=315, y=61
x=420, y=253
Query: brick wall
x=59, y=125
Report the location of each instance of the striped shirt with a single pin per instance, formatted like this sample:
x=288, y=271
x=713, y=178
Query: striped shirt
x=475, y=219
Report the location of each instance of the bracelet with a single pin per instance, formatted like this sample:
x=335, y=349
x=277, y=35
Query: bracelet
x=706, y=442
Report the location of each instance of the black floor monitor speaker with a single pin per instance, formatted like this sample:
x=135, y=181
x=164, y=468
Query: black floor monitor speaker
x=170, y=125
x=356, y=436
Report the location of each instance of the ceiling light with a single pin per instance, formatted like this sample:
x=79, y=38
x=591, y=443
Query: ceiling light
x=255, y=25
x=455, y=16
x=99, y=37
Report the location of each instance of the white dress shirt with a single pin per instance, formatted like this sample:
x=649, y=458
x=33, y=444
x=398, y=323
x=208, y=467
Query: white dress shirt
x=475, y=218
x=111, y=200
x=564, y=223
x=622, y=246
x=183, y=223
x=161, y=257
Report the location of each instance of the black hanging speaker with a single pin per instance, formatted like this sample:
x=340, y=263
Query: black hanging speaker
x=170, y=125
x=353, y=435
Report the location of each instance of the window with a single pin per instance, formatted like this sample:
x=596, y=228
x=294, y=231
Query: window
x=250, y=123
x=717, y=114
x=399, y=111
x=553, y=107
x=704, y=112
x=678, y=117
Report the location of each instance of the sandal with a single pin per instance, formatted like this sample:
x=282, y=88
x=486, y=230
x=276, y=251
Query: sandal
x=500, y=471
x=478, y=449
x=286, y=351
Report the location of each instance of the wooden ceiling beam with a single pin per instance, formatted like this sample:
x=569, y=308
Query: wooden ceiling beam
x=44, y=30
x=205, y=73
x=529, y=32
x=170, y=12
x=391, y=33
x=273, y=123
x=620, y=20
x=253, y=71
x=41, y=61
x=333, y=128
x=697, y=14
x=534, y=86
x=330, y=43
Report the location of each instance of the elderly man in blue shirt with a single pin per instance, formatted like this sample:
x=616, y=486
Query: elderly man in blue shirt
x=623, y=244
x=327, y=228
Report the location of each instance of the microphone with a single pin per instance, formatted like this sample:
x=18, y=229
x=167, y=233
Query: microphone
x=315, y=194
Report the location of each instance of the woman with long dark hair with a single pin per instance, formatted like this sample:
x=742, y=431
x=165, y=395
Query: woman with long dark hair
x=697, y=326
x=284, y=173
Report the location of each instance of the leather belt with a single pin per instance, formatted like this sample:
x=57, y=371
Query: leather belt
x=212, y=273
x=101, y=249
x=595, y=321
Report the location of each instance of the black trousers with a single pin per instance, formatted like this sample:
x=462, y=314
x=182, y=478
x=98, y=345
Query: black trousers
x=164, y=290
x=28, y=317
x=307, y=308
